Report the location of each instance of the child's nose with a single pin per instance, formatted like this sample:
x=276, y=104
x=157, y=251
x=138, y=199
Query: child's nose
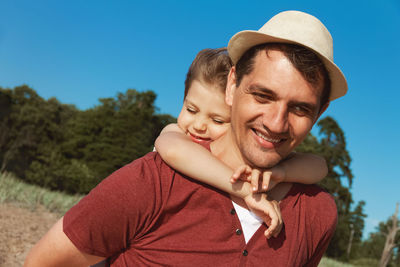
x=199, y=126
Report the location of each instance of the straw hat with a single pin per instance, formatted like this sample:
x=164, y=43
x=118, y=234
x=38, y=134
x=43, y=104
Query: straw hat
x=293, y=27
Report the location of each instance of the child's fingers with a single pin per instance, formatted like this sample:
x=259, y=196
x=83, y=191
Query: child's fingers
x=273, y=231
x=276, y=222
x=240, y=172
x=266, y=180
x=267, y=233
x=247, y=172
x=255, y=176
x=280, y=220
x=273, y=226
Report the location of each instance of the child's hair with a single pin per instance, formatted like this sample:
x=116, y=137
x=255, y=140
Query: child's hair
x=210, y=66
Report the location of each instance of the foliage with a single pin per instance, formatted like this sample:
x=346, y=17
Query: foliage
x=373, y=246
x=54, y=171
x=347, y=243
x=62, y=148
x=331, y=144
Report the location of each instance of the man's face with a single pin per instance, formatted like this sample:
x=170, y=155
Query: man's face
x=273, y=109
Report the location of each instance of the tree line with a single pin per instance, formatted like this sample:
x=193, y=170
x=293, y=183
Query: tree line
x=57, y=146
x=60, y=147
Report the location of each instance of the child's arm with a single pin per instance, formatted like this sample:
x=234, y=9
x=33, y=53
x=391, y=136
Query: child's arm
x=303, y=168
x=197, y=162
x=296, y=168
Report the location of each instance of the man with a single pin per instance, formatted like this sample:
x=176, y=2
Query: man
x=146, y=214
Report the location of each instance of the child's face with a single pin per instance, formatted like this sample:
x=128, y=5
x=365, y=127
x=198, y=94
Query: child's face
x=204, y=115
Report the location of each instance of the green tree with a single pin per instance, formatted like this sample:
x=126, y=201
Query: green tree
x=356, y=226
x=116, y=132
x=373, y=246
x=331, y=144
x=52, y=170
x=5, y=124
x=24, y=125
x=57, y=146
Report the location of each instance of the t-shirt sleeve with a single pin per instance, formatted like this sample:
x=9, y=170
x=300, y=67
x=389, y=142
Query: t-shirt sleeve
x=324, y=221
x=121, y=209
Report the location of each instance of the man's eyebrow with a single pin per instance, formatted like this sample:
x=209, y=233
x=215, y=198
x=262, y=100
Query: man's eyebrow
x=306, y=105
x=257, y=87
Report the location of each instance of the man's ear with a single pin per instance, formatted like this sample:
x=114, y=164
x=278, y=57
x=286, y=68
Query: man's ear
x=230, y=86
x=323, y=109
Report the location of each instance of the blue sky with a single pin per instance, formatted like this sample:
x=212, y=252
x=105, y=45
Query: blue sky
x=80, y=51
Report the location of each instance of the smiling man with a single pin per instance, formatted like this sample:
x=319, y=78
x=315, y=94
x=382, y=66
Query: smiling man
x=146, y=214
x=273, y=106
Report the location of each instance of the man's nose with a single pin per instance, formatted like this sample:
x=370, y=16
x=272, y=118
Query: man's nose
x=276, y=120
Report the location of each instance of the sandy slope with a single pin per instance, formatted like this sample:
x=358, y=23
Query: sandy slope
x=20, y=229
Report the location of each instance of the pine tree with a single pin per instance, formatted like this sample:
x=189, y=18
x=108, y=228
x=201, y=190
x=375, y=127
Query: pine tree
x=331, y=144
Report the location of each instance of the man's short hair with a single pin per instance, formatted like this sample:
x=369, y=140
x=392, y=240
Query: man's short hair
x=304, y=60
x=211, y=66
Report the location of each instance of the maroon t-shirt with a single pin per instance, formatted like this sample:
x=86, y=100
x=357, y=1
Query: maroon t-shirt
x=147, y=214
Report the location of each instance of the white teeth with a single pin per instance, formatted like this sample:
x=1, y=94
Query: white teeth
x=267, y=138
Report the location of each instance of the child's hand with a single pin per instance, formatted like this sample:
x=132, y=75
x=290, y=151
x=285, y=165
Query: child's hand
x=242, y=173
x=269, y=179
x=272, y=177
x=268, y=211
x=247, y=174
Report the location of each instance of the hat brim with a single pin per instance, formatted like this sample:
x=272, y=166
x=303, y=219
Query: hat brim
x=244, y=40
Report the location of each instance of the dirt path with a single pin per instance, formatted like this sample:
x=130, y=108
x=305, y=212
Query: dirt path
x=20, y=229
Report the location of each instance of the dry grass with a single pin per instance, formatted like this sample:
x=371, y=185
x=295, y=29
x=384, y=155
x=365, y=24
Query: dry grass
x=31, y=196
x=326, y=262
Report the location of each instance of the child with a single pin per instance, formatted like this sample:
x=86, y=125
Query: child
x=204, y=118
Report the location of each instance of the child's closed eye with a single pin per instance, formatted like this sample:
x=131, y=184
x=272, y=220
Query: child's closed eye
x=191, y=110
x=218, y=121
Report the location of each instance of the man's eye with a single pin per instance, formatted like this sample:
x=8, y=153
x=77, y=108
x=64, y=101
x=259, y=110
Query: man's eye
x=261, y=97
x=300, y=111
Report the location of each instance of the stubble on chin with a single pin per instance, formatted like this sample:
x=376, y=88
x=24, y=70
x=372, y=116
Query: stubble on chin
x=260, y=159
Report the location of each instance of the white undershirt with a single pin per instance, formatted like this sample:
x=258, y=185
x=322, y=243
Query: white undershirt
x=249, y=221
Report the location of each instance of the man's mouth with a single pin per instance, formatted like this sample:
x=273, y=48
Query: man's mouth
x=273, y=140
